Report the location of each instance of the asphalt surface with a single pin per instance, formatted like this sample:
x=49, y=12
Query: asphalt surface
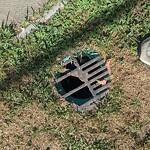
x=18, y=9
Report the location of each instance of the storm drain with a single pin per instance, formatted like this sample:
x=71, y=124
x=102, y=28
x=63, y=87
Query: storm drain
x=78, y=82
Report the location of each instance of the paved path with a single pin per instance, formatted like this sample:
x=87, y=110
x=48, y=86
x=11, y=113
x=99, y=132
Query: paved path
x=18, y=8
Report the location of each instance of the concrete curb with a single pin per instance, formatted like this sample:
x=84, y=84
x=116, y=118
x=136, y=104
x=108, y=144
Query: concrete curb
x=27, y=30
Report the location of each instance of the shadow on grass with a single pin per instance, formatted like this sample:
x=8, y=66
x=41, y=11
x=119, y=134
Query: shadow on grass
x=99, y=20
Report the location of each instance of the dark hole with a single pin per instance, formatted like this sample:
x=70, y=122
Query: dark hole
x=71, y=83
x=89, y=65
x=98, y=87
x=97, y=74
x=48, y=148
x=83, y=60
x=70, y=66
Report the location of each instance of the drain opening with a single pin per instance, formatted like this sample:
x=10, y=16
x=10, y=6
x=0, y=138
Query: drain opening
x=79, y=83
x=71, y=83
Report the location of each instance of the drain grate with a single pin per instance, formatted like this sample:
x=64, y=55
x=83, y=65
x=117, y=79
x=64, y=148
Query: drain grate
x=79, y=85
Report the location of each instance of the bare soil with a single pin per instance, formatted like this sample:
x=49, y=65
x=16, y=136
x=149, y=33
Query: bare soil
x=135, y=77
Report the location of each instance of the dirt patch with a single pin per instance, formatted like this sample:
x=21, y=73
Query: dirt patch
x=27, y=130
x=135, y=113
x=135, y=78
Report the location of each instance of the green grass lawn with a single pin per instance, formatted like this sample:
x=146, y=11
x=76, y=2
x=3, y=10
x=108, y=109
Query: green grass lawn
x=30, y=114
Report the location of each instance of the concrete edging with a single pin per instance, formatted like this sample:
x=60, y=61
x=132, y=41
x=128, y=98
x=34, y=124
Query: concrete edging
x=27, y=30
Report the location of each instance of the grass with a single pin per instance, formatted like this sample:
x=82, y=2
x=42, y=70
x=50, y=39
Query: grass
x=27, y=69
